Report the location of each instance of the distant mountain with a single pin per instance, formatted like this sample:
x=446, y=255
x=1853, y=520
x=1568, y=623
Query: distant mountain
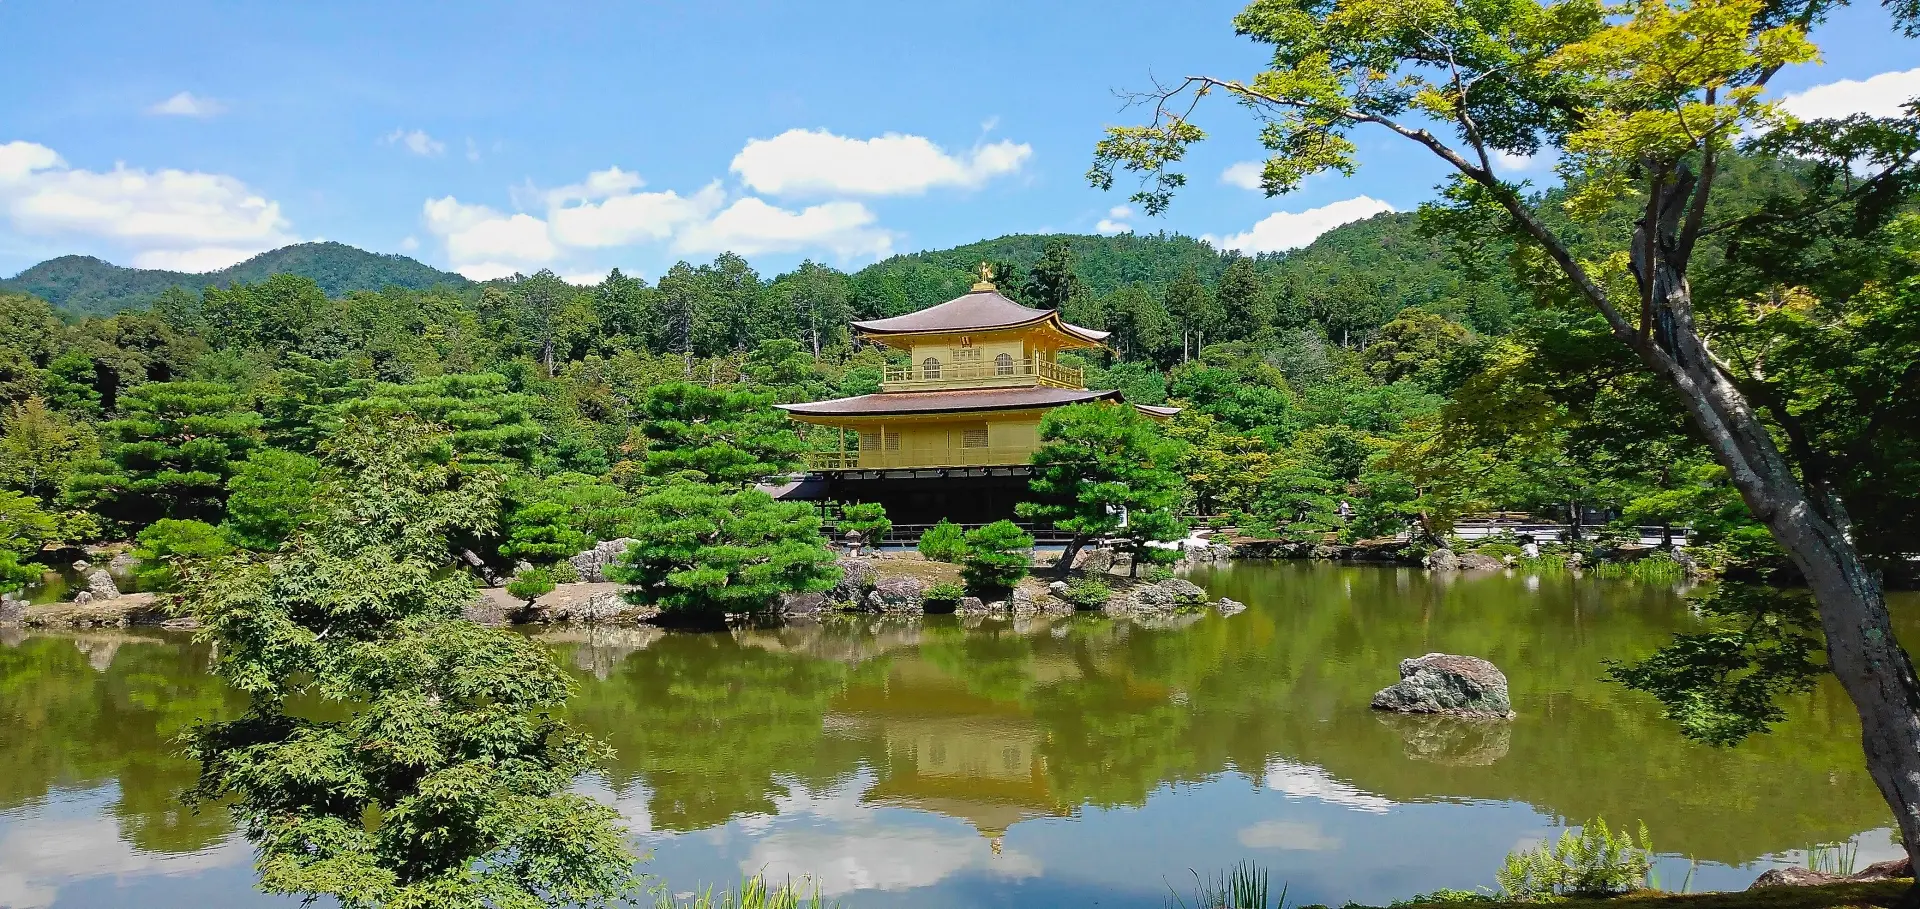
x=84, y=286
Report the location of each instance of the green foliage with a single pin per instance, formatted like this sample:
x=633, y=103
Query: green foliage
x=169, y=454
x=269, y=496
x=1100, y=465
x=997, y=557
x=170, y=549
x=869, y=519
x=1595, y=862
x=39, y=448
x=1726, y=683
x=1087, y=593
x=530, y=585
x=705, y=552
x=437, y=771
x=541, y=532
x=731, y=437
x=23, y=528
x=488, y=421
x=943, y=542
x=944, y=593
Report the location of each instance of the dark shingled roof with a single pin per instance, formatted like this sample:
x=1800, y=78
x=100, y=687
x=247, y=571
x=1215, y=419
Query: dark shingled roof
x=949, y=401
x=977, y=311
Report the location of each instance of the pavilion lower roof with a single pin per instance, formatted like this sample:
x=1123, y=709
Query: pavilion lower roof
x=957, y=401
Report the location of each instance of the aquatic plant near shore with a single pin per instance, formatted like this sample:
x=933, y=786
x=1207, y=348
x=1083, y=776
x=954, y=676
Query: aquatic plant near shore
x=753, y=893
x=1594, y=862
x=1244, y=886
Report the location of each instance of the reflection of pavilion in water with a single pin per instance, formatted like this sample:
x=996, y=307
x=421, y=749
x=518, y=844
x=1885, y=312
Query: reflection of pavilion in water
x=950, y=751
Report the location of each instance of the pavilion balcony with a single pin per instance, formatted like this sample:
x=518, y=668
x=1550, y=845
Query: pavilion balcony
x=906, y=458
x=1031, y=371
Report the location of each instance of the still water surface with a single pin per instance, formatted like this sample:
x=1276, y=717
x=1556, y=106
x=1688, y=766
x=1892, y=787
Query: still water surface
x=1069, y=762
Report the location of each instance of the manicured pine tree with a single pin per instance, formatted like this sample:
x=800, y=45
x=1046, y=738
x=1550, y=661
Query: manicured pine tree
x=731, y=436
x=705, y=552
x=1098, y=464
x=169, y=455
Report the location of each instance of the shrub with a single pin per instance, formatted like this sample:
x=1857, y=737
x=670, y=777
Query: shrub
x=944, y=542
x=530, y=585
x=1087, y=593
x=168, y=546
x=944, y=595
x=1595, y=862
x=1159, y=573
x=869, y=519
x=997, y=557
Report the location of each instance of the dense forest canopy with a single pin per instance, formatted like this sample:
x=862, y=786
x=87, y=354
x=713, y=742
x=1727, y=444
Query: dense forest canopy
x=1391, y=365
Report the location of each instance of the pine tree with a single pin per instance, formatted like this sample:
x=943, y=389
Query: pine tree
x=705, y=552
x=1098, y=465
x=169, y=455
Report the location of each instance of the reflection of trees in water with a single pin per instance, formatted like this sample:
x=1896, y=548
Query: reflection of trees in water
x=991, y=720
x=1116, y=710
x=87, y=710
x=709, y=725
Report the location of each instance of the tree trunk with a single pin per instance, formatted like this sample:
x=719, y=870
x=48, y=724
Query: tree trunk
x=1067, y=556
x=1874, y=670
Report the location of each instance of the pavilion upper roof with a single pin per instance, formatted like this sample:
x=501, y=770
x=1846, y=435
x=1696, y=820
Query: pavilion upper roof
x=980, y=310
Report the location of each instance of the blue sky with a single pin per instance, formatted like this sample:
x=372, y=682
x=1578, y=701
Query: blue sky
x=493, y=137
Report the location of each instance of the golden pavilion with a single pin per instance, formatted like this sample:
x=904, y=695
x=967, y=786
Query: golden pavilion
x=950, y=434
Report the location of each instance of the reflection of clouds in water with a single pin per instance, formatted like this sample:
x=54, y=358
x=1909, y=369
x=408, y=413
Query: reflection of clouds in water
x=39, y=854
x=1288, y=835
x=1309, y=782
x=631, y=804
x=855, y=850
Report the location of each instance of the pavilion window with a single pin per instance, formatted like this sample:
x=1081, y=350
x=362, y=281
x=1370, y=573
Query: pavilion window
x=893, y=440
x=931, y=368
x=869, y=440
x=973, y=437
x=1003, y=364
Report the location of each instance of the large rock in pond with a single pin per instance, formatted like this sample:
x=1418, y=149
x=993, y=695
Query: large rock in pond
x=592, y=564
x=1443, y=560
x=1158, y=599
x=100, y=584
x=1474, y=561
x=1449, y=685
x=898, y=595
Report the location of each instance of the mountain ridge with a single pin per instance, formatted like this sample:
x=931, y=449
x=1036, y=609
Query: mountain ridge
x=89, y=286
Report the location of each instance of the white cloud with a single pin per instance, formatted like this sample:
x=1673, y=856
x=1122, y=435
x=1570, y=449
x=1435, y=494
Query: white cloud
x=819, y=162
x=473, y=151
x=751, y=226
x=1291, y=836
x=188, y=104
x=417, y=141
x=609, y=213
x=1504, y=162
x=410, y=244
x=483, y=243
x=1291, y=230
x=164, y=219
x=1878, y=96
x=1116, y=220
x=1244, y=174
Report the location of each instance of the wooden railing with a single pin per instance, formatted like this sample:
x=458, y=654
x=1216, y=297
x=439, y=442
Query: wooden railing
x=920, y=456
x=1046, y=372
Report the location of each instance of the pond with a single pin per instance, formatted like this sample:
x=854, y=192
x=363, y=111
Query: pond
x=1065, y=762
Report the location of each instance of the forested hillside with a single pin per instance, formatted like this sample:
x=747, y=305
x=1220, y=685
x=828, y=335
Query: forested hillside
x=1396, y=364
x=84, y=286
